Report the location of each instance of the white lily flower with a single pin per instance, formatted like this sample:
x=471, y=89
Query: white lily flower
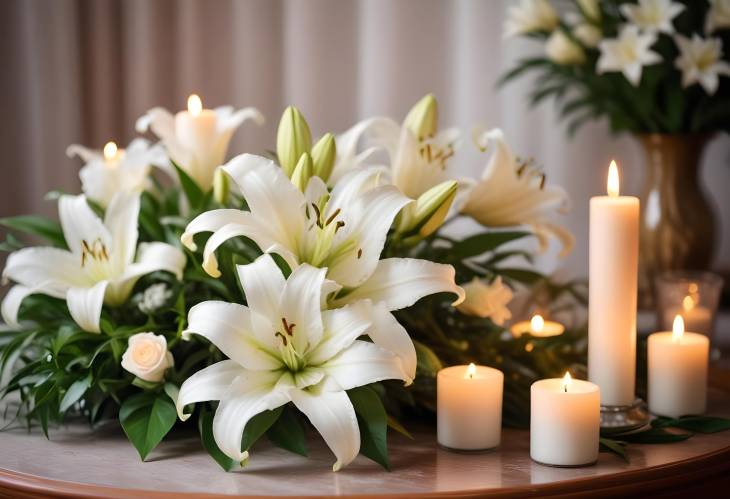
x=513, y=192
x=344, y=231
x=530, y=16
x=700, y=61
x=100, y=267
x=561, y=49
x=718, y=16
x=283, y=348
x=118, y=170
x=628, y=53
x=487, y=300
x=197, y=139
x=653, y=15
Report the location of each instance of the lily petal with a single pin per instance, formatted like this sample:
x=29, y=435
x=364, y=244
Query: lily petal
x=57, y=269
x=363, y=363
x=300, y=304
x=270, y=195
x=211, y=221
x=342, y=326
x=401, y=282
x=121, y=221
x=263, y=283
x=333, y=415
x=85, y=304
x=11, y=303
x=80, y=224
x=389, y=334
x=249, y=395
x=228, y=326
x=151, y=257
x=377, y=208
x=207, y=384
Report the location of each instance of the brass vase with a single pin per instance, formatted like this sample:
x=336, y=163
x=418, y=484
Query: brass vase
x=677, y=221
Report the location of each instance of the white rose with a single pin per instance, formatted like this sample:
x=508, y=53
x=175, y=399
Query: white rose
x=487, y=300
x=147, y=356
x=562, y=50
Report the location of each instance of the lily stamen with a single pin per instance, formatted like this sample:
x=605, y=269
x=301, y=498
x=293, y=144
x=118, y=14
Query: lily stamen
x=97, y=251
x=332, y=217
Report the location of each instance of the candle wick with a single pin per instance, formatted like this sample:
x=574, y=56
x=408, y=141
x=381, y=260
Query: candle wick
x=565, y=388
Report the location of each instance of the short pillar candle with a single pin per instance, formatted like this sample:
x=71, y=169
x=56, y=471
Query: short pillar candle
x=469, y=407
x=677, y=371
x=565, y=418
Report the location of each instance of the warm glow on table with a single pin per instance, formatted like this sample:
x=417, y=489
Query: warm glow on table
x=677, y=371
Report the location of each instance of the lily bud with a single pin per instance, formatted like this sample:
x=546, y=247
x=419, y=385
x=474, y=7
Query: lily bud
x=221, y=186
x=324, y=153
x=292, y=140
x=422, y=119
x=429, y=211
x=303, y=172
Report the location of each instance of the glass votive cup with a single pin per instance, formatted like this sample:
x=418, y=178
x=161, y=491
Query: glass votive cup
x=692, y=294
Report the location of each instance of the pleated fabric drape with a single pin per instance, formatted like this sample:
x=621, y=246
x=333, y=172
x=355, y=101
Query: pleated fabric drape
x=82, y=71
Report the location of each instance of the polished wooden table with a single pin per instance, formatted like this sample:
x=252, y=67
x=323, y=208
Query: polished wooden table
x=78, y=462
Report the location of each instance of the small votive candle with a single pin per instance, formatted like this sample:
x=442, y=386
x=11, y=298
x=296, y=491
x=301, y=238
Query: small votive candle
x=538, y=327
x=565, y=418
x=677, y=365
x=469, y=407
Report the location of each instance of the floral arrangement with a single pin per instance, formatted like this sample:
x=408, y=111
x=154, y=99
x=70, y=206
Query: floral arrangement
x=318, y=286
x=648, y=66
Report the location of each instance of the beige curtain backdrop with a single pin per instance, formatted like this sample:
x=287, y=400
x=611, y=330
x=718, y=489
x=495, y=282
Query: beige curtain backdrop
x=78, y=71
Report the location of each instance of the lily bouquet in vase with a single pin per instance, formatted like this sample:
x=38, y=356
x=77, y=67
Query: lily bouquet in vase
x=316, y=285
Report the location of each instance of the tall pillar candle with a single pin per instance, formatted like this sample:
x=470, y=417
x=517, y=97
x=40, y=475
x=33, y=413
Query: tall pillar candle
x=677, y=372
x=613, y=277
x=469, y=407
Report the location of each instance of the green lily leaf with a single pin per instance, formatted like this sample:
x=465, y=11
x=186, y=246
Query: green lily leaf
x=146, y=419
x=35, y=225
x=74, y=393
x=615, y=446
x=205, y=426
x=697, y=424
x=258, y=425
x=373, y=422
x=287, y=432
x=191, y=189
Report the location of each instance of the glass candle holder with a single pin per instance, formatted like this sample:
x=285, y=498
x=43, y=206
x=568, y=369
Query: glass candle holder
x=693, y=295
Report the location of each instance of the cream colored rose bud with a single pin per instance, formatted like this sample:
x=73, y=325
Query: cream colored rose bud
x=429, y=211
x=147, y=357
x=561, y=49
x=292, y=139
x=422, y=119
x=221, y=186
x=302, y=172
x=324, y=153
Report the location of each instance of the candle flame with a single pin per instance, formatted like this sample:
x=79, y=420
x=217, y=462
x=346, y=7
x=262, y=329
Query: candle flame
x=537, y=323
x=688, y=303
x=693, y=288
x=471, y=371
x=566, y=381
x=195, y=105
x=110, y=151
x=677, y=329
x=612, y=185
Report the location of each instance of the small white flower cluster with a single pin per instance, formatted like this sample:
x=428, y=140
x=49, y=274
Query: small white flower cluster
x=700, y=58
x=153, y=298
